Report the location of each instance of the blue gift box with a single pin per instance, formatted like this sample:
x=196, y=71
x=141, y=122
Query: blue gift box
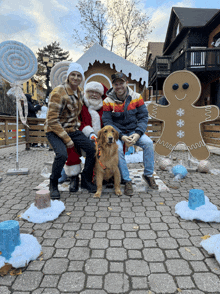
x=9, y=237
x=196, y=198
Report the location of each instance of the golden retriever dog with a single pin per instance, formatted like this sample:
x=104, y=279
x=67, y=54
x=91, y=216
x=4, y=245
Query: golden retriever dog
x=106, y=165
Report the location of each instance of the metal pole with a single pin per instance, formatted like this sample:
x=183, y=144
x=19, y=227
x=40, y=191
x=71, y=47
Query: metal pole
x=17, y=165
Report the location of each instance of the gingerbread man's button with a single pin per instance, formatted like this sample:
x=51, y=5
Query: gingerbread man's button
x=180, y=123
x=180, y=112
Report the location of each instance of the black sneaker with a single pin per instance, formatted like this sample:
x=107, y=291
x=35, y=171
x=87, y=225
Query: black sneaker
x=151, y=182
x=54, y=192
x=85, y=184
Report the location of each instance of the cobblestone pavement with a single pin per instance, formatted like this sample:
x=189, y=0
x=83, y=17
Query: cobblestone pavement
x=135, y=245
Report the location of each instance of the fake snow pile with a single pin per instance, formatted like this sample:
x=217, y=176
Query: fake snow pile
x=212, y=246
x=38, y=216
x=28, y=250
x=134, y=158
x=206, y=213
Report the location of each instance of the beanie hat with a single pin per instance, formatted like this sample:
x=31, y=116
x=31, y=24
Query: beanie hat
x=75, y=67
x=95, y=86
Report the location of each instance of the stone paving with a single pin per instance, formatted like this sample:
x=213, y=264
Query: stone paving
x=135, y=245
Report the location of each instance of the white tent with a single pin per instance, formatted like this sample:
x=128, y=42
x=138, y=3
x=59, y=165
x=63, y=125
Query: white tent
x=100, y=54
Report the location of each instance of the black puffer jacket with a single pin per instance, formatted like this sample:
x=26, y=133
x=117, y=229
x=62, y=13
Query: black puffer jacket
x=32, y=110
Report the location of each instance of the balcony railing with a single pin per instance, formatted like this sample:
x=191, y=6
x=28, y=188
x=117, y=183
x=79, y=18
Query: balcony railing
x=160, y=66
x=191, y=59
x=198, y=60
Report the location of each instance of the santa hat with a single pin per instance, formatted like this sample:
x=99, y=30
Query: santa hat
x=75, y=67
x=95, y=86
x=105, y=91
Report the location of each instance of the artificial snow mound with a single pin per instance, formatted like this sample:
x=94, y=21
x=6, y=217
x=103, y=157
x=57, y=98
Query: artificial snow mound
x=38, y=216
x=206, y=213
x=28, y=250
x=212, y=246
x=134, y=158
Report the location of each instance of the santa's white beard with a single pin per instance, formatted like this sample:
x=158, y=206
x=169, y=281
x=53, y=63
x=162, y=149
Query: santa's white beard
x=94, y=103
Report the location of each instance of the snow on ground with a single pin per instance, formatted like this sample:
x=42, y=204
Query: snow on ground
x=206, y=213
x=212, y=246
x=38, y=216
x=134, y=158
x=28, y=250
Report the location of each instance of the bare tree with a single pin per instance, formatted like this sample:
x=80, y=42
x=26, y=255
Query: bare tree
x=93, y=24
x=116, y=24
x=133, y=24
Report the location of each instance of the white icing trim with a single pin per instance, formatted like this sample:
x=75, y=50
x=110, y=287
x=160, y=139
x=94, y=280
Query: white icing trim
x=98, y=53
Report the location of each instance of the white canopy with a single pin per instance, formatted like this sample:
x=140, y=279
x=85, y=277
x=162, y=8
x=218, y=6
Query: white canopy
x=98, y=53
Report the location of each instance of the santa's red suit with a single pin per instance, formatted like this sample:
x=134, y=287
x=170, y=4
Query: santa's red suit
x=91, y=123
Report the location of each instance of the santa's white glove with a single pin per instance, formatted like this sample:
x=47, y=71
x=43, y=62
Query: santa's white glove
x=134, y=137
x=92, y=136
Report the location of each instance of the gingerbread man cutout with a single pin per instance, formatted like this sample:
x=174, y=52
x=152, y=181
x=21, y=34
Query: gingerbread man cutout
x=181, y=118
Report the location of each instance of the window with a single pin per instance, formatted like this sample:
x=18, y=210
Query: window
x=177, y=29
x=197, y=58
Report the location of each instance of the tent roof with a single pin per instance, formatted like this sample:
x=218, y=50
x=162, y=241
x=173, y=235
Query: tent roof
x=98, y=53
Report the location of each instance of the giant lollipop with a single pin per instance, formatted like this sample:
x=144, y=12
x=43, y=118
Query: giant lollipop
x=17, y=65
x=58, y=74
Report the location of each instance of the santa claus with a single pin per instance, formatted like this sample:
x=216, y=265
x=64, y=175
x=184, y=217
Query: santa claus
x=91, y=123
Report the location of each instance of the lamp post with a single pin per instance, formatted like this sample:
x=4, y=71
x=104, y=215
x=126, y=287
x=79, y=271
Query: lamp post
x=48, y=64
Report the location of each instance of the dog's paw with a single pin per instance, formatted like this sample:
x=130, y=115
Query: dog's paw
x=97, y=195
x=118, y=192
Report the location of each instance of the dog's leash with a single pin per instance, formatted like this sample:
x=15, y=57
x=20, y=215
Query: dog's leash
x=99, y=152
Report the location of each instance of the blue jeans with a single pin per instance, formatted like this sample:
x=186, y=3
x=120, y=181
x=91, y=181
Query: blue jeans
x=148, y=156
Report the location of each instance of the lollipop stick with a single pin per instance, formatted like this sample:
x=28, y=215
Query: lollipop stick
x=17, y=164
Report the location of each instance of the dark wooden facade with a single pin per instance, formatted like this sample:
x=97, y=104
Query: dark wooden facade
x=191, y=44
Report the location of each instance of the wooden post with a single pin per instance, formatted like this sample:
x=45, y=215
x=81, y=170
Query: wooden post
x=27, y=137
x=42, y=199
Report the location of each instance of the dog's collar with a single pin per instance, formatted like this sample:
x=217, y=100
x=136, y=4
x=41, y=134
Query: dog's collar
x=99, y=153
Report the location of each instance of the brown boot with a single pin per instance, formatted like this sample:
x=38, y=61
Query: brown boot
x=128, y=189
x=151, y=182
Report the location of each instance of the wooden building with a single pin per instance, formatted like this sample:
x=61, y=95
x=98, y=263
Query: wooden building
x=193, y=43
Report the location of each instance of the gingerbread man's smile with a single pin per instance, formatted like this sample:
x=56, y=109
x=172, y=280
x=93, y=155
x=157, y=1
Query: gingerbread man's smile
x=181, y=98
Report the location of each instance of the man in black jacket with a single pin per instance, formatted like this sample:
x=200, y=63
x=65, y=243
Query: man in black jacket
x=32, y=109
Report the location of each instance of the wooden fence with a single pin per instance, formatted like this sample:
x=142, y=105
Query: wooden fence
x=36, y=134
x=211, y=132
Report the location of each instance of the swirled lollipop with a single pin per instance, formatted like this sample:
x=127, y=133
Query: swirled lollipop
x=58, y=73
x=17, y=62
x=17, y=65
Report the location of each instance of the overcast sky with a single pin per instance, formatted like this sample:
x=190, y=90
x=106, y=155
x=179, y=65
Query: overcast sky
x=37, y=23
